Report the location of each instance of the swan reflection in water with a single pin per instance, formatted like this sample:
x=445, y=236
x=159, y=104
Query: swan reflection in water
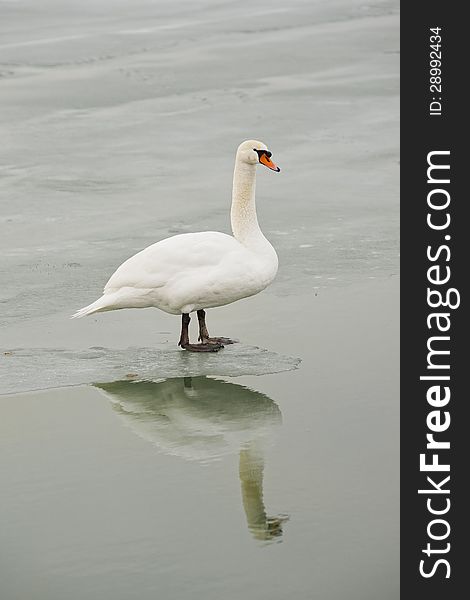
x=203, y=419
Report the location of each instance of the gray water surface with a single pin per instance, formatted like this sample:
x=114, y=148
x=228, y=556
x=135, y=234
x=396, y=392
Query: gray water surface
x=129, y=468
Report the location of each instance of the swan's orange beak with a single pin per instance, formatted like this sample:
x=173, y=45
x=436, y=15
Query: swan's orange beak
x=267, y=162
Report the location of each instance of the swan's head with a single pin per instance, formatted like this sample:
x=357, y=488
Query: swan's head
x=254, y=152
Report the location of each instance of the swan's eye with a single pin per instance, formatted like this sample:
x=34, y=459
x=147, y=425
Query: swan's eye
x=261, y=152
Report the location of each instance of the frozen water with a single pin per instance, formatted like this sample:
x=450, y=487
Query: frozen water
x=42, y=368
x=120, y=120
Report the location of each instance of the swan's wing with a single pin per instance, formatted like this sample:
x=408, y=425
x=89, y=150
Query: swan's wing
x=180, y=255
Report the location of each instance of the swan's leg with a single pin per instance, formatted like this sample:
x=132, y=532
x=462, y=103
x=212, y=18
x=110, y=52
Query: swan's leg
x=184, y=339
x=204, y=336
x=203, y=333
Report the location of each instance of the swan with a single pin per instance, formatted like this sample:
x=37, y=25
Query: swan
x=195, y=271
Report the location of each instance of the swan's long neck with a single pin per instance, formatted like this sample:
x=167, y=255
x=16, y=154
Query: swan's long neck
x=245, y=226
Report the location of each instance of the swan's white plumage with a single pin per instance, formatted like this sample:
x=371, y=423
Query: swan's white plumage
x=193, y=271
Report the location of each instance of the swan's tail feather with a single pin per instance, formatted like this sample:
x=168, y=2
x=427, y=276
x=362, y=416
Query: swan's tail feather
x=99, y=305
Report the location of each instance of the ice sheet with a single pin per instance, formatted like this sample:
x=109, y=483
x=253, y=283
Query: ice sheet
x=41, y=368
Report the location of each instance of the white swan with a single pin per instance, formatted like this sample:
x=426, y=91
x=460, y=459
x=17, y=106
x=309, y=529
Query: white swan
x=194, y=271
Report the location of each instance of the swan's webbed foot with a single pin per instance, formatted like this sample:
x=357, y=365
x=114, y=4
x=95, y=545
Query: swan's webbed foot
x=218, y=340
x=184, y=339
x=208, y=344
x=202, y=347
